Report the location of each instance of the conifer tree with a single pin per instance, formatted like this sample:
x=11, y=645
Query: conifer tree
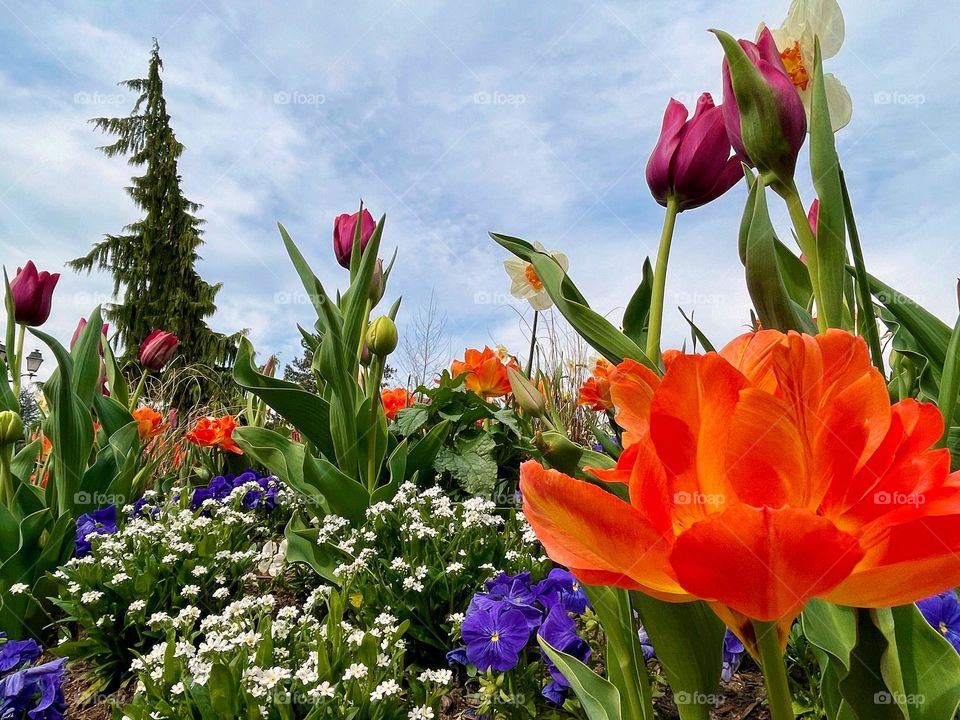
x=153, y=260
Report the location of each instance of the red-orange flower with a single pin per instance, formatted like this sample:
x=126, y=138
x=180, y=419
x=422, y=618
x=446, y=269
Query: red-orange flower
x=486, y=372
x=215, y=432
x=771, y=473
x=595, y=391
x=394, y=401
x=149, y=422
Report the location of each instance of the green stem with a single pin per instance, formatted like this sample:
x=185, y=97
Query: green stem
x=6, y=477
x=660, y=281
x=807, y=241
x=17, y=360
x=373, y=390
x=533, y=343
x=868, y=319
x=136, y=393
x=774, y=671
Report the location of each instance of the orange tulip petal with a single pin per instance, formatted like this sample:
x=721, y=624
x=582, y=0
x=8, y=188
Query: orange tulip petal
x=761, y=562
x=594, y=533
x=632, y=386
x=752, y=355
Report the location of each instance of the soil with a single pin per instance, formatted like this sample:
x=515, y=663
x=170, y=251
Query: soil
x=97, y=708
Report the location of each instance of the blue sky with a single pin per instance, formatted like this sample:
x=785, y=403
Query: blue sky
x=534, y=119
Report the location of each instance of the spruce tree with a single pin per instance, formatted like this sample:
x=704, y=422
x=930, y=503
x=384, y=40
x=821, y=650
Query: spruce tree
x=153, y=260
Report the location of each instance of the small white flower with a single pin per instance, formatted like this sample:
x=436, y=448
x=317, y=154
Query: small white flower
x=355, y=671
x=19, y=588
x=384, y=689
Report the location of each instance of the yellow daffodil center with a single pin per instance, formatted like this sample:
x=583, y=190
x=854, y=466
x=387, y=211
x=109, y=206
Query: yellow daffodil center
x=533, y=278
x=793, y=62
x=495, y=637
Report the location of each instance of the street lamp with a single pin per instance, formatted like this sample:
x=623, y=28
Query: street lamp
x=34, y=361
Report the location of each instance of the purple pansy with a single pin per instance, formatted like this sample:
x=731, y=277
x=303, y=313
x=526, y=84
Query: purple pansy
x=495, y=637
x=943, y=613
x=98, y=522
x=561, y=586
x=560, y=632
x=16, y=653
x=36, y=692
x=732, y=655
x=220, y=487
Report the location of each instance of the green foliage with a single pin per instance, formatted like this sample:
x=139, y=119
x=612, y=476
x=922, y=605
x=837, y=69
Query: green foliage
x=153, y=261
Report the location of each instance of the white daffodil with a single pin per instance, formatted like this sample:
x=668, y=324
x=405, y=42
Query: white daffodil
x=806, y=21
x=526, y=285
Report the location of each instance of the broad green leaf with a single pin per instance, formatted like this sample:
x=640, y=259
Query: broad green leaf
x=636, y=316
x=598, y=697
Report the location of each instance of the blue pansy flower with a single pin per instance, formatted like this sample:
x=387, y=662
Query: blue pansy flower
x=495, y=636
x=36, y=691
x=943, y=613
x=16, y=653
x=645, y=645
x=732, y=655
x=560, y=632
x=98, y=522
x=561, y=586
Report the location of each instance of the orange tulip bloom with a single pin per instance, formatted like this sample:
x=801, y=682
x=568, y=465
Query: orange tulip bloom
x=149, y=422
x=394, y=401
x=486, y=372
x=215, y=432
x=595, y=391
x=771, y=473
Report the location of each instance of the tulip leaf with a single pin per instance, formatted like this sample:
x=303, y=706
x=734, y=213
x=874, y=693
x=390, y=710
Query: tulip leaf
x=356, y=298
x=950, y=380
x=598, y=697
x=637, y=314
x=764, y=282
x=697, y=334
x=796, y=279
x=86, y=359
x=307, y=412
x=302, y=547
x=614, y=345
x=625, y=663
x=825, y=168
x=688, y=638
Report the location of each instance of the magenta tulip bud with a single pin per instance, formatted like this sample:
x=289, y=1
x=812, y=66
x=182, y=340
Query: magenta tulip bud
x=157, y=349
x=32, y=294
x=779, y=155
x=813, y=216
x=80, y=326
x=692, y=159
x=344, y=229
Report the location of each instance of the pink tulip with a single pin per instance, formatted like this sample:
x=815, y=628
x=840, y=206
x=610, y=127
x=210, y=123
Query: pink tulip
x=344, y=228
x=80, y=326
x=32, y=294
x=793, y=119
x=813, y=215
x=692, y=160
x=157, y=349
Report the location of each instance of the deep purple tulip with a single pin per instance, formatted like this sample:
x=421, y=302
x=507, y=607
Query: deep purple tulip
x=344, y=229
x=793, y=118
x=692, y=159
x=32, y=294
x=157, y=349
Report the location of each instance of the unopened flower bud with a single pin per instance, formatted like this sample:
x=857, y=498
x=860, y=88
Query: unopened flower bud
x=377, y=285
x=558, y=450
x=527, y=396
x=382, y=336
x=11, y=428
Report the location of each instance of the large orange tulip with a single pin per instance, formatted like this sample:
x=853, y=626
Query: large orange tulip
x=486, y=372
x=760, y=477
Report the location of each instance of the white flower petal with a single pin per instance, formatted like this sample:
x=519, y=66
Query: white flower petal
x=839, y=102
x=809, y=18
x=541, y=301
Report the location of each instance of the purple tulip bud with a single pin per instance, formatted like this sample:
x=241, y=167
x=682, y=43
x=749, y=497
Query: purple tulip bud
x=344, y=228
x=32, y=294
x=157, y=349
x=692, y=159
x=793, y=118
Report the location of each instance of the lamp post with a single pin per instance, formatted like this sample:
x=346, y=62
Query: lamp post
x=34, y=361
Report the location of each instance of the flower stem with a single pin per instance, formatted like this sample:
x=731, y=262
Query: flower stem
x=655, y=325
x=807, y=242
x=17, y=360
x=533, y=343
x=774, y=671
x=6, y=477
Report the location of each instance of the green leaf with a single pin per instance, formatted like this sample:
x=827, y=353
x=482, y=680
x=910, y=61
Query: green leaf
x=411, y=419
x=598, y=697
x=764, y=281
x=636, y=315
x=302, y=547
x=825, y=169
x=86, y=359
x=223, y=692
x=471, y=464
x=688, y=638
x=422, y=455
x=626, y=666
x=950, y=380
